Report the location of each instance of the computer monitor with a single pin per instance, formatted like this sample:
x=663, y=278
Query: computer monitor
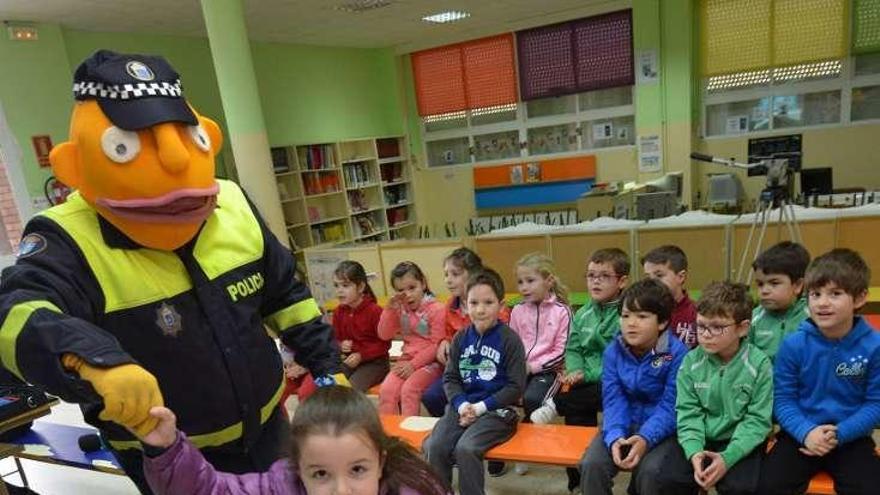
x=816, y=181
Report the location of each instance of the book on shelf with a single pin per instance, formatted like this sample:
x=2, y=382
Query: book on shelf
x=388, y=147
x=395, y=195
x=397, y=216
x=317, y=156
x=279, y=160
x=358, y=200
x=356, y=174
x=321, y=182
x=392, y=172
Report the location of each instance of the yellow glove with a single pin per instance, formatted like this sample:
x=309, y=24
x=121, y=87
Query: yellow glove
x=341, y=380
x=128, y=390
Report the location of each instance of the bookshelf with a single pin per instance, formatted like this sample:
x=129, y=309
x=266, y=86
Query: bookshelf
x=354, y=191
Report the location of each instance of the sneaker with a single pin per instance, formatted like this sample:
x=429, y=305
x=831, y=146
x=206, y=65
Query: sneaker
x=496, y=468
x=544, y=414
x=521, y=468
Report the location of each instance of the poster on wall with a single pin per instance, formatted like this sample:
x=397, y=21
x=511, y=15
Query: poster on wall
x=648, y=70
x=321, y=268
x=602, y=131
x=650, y=153
x=42, y=147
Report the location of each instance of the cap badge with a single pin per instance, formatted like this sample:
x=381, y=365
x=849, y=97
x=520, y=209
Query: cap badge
x=139, y=71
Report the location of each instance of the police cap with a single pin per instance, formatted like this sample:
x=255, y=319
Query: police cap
x=134, y=91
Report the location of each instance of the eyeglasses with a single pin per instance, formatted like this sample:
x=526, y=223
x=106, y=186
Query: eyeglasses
x=714, y=330
x=600, y=277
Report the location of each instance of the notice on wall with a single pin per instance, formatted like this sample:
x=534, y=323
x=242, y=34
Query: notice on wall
x=602, y=131
x=42, y=147
x=650, y=153
x=648, y=69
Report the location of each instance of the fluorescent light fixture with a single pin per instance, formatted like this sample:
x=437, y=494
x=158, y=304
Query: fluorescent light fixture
x=448, y=16
x=359, y=6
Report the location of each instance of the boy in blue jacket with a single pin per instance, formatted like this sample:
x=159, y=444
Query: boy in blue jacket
x=638, y=394
x=485, y=377
x=827, y=386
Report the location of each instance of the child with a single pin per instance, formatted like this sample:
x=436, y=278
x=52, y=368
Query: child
x=457, y=269
x=338, y=446
x=638, y=381
x=484, y=379
x=541, y=320
x=414, y=313
x=669, y=265
x=779, y=277
x=725, y=401
x=828, y=386
x=294, y=376
x=594, y=325
x=355, y=322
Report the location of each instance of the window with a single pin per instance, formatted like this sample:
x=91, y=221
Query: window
x=556, y=125
x=830, y=92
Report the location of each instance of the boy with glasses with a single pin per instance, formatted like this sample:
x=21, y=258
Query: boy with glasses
x=827, y=378
x=725, y=401
x=593, y=327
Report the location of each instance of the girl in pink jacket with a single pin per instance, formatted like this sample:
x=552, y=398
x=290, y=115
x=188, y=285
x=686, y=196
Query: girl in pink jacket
x=337, y=446
x=541, y=320
x=421, y=321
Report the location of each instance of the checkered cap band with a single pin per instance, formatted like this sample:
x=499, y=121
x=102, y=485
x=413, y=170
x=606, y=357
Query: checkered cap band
x=86, y=89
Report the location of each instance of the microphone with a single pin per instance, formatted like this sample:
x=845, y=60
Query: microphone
x=90, y=443
x=701, y=157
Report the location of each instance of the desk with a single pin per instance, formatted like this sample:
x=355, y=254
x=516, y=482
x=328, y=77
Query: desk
x=59, y=444
x=7, y=450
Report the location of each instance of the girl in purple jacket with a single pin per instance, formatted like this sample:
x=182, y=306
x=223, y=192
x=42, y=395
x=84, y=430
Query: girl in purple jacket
x=337, y=446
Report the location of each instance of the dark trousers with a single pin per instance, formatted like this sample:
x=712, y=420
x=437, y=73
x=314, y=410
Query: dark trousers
x=598, y=469
x=538, y=389
x=270, y=446
x=677, y=475
x=434, y=398
x=450, y=443
x=579, y=406
x=854, y=467
x=367, y=374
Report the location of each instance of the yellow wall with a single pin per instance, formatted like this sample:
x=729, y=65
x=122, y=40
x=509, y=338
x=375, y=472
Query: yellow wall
x=853, y=151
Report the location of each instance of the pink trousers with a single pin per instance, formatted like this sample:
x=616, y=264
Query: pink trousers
x=404, y=396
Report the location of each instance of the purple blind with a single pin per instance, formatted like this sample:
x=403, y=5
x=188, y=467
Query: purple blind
x=576, y=56
x=603, y=50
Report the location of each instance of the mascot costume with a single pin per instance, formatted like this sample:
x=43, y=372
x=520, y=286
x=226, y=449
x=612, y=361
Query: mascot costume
x=155, y=283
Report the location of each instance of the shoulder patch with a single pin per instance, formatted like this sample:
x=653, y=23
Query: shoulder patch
x=31, y=244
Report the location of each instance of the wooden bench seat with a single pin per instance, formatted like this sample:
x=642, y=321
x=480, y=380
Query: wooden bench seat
x=559, y=445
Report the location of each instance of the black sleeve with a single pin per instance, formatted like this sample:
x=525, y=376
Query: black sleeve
x=289, y=309
x=49, y=301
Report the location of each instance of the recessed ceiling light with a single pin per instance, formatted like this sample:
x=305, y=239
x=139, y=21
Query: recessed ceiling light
x=362, y=5
x=448, y=16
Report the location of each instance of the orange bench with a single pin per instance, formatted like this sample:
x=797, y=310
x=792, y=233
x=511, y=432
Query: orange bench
x=559, y=445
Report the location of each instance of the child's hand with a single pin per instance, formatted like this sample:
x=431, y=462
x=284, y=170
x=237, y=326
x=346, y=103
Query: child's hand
x=294, y=371
x=397, y=301
x=353, y=360
x=403, y=369
x=820, y=441
x=708, y=476
x=165, y=433
x=573, y=378
x=617, y=451
x=637, y=448
x=443, y=352
x=345, y=346
x=467, y=415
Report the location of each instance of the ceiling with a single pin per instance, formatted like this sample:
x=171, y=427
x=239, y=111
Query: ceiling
x=312, y=22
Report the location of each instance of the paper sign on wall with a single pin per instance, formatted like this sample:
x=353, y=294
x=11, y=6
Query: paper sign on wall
x=42, y=147
x=650, y=153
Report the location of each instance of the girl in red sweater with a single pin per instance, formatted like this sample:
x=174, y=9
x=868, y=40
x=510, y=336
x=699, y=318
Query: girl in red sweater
x=356, y=320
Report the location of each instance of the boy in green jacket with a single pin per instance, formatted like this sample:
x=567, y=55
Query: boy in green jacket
x=779, y=278
x=593, y=327
x=725, y=401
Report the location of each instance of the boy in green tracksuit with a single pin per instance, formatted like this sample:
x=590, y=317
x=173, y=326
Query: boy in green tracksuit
x=779, y=278
x=725, y=401
x=593, y=327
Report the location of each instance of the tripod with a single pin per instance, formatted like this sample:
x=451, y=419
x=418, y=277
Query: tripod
x=771, y=197
x=776, y=194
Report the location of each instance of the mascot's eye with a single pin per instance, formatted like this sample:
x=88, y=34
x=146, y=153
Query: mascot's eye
x=200, y=136
x=120, y=145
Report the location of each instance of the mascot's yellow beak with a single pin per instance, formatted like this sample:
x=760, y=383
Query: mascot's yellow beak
x=155, y=184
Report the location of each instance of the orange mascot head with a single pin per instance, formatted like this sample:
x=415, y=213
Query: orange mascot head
x=138, y=153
